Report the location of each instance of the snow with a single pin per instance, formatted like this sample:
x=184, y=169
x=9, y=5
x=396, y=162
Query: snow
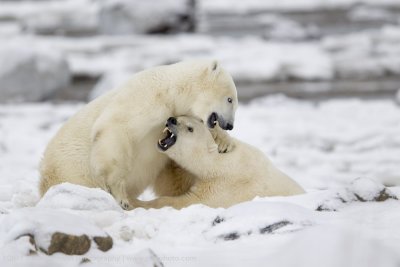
x=345, y=248
x=223, y=6
x=70, y=196
x=336, y=149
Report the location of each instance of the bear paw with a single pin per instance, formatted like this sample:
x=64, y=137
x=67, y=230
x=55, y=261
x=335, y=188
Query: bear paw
x=224, y=146
x=125, y=205
x=223, y=140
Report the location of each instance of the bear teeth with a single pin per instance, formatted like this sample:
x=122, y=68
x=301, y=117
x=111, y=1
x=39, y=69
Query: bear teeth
x=172, y=135
x=159, y=142
x=166, y=129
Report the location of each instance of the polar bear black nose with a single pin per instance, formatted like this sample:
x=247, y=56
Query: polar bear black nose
x=229, y=126
x=171, y=120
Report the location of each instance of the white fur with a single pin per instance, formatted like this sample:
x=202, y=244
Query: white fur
x=212, y=178
x=111, y=142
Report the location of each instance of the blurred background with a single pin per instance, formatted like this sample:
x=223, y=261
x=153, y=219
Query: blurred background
x=74, y=50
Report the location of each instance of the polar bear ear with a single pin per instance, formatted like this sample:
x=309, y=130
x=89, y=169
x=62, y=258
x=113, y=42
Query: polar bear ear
x=212, y=70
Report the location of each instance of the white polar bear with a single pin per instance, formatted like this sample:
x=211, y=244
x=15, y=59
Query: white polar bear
x=214, y=179
x=111, y=142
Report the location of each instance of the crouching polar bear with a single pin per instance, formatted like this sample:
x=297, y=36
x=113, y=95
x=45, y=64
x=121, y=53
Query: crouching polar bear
x=111, y=142
x=202, y=175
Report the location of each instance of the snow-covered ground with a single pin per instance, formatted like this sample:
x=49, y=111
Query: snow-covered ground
x=324, y=146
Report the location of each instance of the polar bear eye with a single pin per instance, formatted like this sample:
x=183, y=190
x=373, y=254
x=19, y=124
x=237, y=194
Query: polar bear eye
x=229, y=100
x=190, y=129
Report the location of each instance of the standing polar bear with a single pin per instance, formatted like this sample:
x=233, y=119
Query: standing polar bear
x=212, y=178
x=110, y=143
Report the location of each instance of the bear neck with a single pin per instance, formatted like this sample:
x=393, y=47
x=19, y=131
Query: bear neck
x=204, y=167
x=182, y=96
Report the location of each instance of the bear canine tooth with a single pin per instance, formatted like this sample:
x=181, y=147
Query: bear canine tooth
x=165, y=129
x=159, y=142
x=172, y=135
x=165, y=145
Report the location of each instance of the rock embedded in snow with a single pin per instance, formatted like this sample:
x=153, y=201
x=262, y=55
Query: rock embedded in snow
x=68, y=244
x=103, y=243
x=361, y=189
x=142, y=16
x=28, y=74
x=266, y=218
x=370, y=190
x=52, y=231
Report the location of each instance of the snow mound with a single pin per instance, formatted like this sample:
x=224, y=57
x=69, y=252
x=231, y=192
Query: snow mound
x=76, y=197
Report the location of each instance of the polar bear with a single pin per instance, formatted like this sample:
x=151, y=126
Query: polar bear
x=110, y=142
x=202, y=175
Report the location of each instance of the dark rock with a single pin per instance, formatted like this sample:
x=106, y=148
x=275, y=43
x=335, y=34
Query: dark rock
x=68, y=244
x=84, y=260
x=218, y=220
x=273, y=227
x=103, y=243
x=230, y=236
x=33, y=243
x=383, y=195
x=323, y=207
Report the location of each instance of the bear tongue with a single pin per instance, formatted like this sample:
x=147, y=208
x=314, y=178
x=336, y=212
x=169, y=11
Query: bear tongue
x=167, y=141
x=170, y=140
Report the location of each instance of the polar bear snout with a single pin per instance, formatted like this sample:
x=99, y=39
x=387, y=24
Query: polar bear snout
x=171, y=121
x=223, y=123
x=212, y=120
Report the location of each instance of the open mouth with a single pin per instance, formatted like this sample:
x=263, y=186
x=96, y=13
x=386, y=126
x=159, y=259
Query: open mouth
x=212, y=120
x=168, y=140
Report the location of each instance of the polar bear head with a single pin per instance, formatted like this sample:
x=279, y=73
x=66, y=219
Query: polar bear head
x=216, y=96
x=187, y=140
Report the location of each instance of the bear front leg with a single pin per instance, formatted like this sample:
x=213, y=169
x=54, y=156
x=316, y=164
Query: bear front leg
x=108, y=167
x=173, y=181
x=222, y=139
